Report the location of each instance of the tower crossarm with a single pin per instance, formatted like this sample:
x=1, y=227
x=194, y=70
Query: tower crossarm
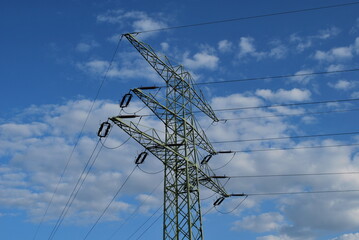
x=171, y=75
x=160, y=111
x=153, y=143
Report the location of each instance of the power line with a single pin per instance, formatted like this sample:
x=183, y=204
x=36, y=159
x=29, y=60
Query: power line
x=79, y=136
x=148, y=219
x=293, y=148
x=75, y=190
x=287, y=175
x=235, y=208
x=289, y=115
x=273, y=77
x=287, y=104
x=109, y=204
x=147, y=172
x=230, y=160
x=277, y=77
x=111, y=148
x=304, y=192
x=78, y=186
x=135, y=211
x=159, y=216
x=279, y=105
x=290, y=137
x=250, y=17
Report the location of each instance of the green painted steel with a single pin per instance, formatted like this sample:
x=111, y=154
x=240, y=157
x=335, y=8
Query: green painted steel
x=178, y=148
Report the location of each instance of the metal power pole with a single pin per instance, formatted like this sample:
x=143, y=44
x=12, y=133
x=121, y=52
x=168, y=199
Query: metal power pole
x=179, y=149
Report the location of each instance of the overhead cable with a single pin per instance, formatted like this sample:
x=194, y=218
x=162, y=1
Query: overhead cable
x=148, y=219
x=278, y=77
x=289, y=137
x=289, y=115
x=271, y=77
x=151, y=225
x=280, y=105
x=79, y=136
x=292, y=148
x=303, y=192
x=288, y=193
x=109, y=204
x=235, y=208
x=287, y=175
x=250, y=17
x=135, y=211
x=87, y=168
x=288, y=104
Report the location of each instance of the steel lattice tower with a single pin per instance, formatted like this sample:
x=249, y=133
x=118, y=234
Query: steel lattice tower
x=179, y=150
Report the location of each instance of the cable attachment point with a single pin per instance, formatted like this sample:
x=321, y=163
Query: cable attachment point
x=125, y=100
x=104, y=129
x=229, y=151
x=238, y=195
x=219, y=201
x=206, y=159
x=141, y=158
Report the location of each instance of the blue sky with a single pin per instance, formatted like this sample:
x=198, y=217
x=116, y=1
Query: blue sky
x=53, y=58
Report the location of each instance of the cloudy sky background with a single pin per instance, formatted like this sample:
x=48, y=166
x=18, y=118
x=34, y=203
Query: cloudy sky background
x=53, y=60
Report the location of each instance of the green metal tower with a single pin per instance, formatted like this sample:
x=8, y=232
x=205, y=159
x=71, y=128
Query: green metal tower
x=179, y=149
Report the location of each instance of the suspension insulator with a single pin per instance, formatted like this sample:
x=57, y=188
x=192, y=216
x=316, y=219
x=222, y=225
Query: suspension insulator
x=141, y=158
x=104, y=129
x=218, y=201
x=206, y=159
x=128, y=116
x=126, y=100
x=148, y=88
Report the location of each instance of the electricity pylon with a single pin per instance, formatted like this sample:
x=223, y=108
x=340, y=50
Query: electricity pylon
x=180, y=149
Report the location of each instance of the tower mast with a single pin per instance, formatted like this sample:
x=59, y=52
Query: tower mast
x=179, y=150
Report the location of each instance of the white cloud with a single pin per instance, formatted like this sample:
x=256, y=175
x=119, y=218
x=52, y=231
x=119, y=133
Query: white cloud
x=262, y=223
x=335, y=67
x=147, y=24
x=282, y=95
x=165, y=46
x=272, y=237
x=302, y=216
x=342, y=84
x=303, y=43
x=38, y=151
x=225, y=46
x=335, y=54
x=355, y=94
x=136, y=21
x=247, y=48
x=356, y=45
x=355, y=28
x=303, y=79
x=86, y=46
x=201, y=60
x=278, y=52
x=328, y=33
x=349, y=236
x=338, y=53
x=126, y=68
x=29, y=166
x=236, y=100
